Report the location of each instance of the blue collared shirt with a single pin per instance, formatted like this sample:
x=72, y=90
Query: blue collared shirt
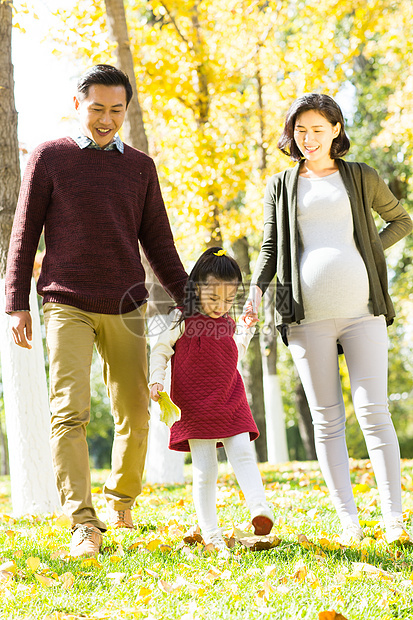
x=84, y=142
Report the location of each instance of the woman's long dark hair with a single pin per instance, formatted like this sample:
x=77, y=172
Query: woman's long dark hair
x=327, y=107
x=222, y=268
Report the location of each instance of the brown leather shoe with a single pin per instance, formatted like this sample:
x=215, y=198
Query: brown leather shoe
x=120, y=518
x=86, y=540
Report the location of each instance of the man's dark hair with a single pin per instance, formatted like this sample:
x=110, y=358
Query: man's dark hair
x=327, y=107
x=106, y=75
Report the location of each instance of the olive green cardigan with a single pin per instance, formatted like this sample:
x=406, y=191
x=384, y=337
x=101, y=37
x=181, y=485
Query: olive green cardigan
x=281, y=248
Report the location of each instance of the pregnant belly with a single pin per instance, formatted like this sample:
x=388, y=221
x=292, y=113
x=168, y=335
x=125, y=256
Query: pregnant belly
x=331, y=276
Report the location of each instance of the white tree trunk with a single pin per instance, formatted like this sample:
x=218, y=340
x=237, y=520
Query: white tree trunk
x=274, y=416
x=163, y=466
x=33, y=488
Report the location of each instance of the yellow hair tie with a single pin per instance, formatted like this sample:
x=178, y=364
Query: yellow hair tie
x=220, y=253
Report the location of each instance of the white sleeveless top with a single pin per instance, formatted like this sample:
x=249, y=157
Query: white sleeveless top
x=334, y=278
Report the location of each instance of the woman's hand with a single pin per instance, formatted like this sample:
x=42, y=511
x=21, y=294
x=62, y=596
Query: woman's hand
x=154, y=389
x=250, y=311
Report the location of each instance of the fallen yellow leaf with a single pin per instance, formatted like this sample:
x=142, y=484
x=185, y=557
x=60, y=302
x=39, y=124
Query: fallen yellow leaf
x=8, y=519
x=300, y=571
x=145, y=594
x=361, y=488
x=9, y=567
x=63, y=521
x=117, y=577
x=330, y=615
x=371, y=570
x=193, y=536
x=165, y=549
x=271, y=570
x=152, y=573
x=213, y=574
x=33, y=563
x=67, y=580
x=138, y=543
x=266, y=592
x=5, y=576
x=170, y=588
x=46, y=581
x=153, y=544
x=91, y=562
x=304, y=542
x=260, y=543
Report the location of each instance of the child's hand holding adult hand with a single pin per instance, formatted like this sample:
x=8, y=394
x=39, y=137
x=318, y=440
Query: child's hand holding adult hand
x=250, y=311
x=155, y=388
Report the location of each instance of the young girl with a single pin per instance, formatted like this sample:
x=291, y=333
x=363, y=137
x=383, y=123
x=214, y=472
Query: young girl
x=321, y=240
x=208, y=388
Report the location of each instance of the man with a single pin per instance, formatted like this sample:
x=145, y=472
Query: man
x=96, y=198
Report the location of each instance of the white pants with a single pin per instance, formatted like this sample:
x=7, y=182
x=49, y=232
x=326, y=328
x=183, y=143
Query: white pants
x=241, y=455
x=313, y=347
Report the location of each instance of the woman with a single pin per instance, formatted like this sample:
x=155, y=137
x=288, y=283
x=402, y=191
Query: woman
x=321, y=241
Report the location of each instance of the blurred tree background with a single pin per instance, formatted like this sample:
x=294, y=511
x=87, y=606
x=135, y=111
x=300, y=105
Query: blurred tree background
x=215, y=79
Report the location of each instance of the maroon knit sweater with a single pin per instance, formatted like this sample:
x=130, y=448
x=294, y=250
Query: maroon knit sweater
x=94, y=205
x=206, y=384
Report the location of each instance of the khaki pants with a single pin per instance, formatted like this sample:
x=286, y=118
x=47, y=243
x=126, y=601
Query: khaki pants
x=121, y=344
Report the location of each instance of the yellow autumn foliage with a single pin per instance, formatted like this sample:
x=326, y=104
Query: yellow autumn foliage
x=215, y=80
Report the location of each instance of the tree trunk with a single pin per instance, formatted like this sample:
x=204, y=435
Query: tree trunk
x=134, y=129
x=9, y=164
x=274, y=410
x=9, y=146
x=4, y=453
x=26, y=403
x=252, y=363
x=135, y=134
x=33, y=488
x=162, y=465
x=305, y=424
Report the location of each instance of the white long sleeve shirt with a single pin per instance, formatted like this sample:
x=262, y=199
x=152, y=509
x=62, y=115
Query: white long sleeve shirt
x=334, y=279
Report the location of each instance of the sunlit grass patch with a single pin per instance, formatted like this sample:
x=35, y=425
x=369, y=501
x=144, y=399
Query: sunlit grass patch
x=152, y=573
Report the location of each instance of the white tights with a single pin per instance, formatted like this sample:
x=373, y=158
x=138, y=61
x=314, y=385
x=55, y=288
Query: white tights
x=205, y=474
x=313, y=347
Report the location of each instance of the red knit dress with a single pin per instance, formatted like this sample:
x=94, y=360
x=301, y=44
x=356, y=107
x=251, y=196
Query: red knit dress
x=206, y=384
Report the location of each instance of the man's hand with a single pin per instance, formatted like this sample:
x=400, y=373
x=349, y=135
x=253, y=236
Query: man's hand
x=21, y=328
x=250, y=311
x=155, y=388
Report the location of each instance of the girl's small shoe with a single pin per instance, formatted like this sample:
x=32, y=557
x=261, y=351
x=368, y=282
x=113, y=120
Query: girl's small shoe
x=215, y=539
x=352, y=533
x=262, y=519
x=396, y=532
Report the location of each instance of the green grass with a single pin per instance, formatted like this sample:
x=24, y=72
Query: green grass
x=150, y=573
